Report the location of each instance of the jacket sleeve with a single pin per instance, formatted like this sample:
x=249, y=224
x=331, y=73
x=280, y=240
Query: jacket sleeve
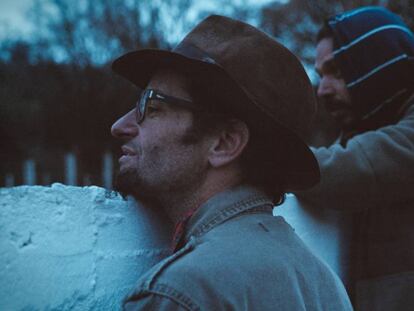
x=376, y=167
x=153, y=302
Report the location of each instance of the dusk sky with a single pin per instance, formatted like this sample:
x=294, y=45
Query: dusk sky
x=12, y=17
x=14, y=21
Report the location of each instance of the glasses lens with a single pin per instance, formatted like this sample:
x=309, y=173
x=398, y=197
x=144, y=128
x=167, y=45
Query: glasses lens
x=141, y=106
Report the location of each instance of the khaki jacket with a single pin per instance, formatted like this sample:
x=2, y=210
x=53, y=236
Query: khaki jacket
x=237, y=256
x=375, y=168
x=374, y=177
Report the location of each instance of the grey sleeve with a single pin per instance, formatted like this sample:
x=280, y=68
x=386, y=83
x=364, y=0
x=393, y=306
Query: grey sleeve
x=153, y=302
x=376, y=167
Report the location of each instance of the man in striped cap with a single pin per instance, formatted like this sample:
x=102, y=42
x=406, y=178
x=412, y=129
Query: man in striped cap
x=365, y=62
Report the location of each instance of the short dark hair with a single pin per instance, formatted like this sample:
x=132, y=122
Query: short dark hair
x=258, y=165
x=324, y=32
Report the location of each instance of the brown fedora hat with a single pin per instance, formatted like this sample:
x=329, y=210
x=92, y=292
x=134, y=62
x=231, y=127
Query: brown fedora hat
x=281, y=100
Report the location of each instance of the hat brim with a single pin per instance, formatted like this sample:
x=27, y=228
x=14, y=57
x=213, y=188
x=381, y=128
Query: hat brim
x=301, y=165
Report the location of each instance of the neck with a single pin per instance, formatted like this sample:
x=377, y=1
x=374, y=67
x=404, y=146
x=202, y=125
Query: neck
x=177, y=204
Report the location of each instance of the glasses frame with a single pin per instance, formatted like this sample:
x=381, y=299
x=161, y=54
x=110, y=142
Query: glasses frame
x=148, y=94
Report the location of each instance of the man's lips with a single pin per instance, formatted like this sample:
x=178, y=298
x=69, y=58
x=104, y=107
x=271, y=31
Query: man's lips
x=337, y=109
x=127, y=151
x=338, y=113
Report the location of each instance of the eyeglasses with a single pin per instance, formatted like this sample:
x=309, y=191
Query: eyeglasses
x=150, y=94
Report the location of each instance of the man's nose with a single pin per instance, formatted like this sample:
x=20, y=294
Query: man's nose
x=126, y=126
x=325, y=87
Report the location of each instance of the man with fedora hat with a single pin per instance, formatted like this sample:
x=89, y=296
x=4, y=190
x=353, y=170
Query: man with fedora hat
x=213, y=143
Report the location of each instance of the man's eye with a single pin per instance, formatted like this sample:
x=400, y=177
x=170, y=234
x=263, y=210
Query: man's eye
x=337, y=73
x=333, y=70
x=152, y=109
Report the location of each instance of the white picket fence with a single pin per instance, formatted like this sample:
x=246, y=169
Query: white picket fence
x=70, y=163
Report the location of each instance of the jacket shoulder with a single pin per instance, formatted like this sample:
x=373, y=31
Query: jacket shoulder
x=207, y=264
x=153, y=283
x=238, y=261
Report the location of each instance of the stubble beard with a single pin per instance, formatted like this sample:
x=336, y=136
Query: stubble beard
x=160, y=195
x=168, y=183
x=345, y=118
x=127, y=182
x=131, y=182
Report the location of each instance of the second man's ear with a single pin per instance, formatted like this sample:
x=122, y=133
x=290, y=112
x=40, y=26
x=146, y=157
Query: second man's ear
x=229, y=143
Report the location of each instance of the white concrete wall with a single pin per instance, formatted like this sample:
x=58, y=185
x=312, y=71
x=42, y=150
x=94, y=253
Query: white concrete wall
x=326, y=232
x=72, y=248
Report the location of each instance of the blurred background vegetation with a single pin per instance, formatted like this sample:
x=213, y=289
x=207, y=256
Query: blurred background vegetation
x=58, y=95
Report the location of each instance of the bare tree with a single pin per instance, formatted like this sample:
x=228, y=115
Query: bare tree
x=94, y=31
x=297, y=21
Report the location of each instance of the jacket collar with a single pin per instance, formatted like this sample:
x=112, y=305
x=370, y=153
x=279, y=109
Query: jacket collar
x=224, y=206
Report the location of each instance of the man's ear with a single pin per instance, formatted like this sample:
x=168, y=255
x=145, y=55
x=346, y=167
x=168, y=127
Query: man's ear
x=229, y=143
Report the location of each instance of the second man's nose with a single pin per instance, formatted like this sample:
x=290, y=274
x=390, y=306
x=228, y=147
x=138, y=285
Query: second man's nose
x=325, y=87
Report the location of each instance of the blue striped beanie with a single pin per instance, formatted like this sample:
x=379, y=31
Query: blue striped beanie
x=374, y=50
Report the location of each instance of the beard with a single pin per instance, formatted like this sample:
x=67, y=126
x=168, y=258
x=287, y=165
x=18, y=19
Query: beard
x=126, y=182
x=129, y=182
x=163, y=177
x=341, y=111
x=153, y=190
x=332, y=103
